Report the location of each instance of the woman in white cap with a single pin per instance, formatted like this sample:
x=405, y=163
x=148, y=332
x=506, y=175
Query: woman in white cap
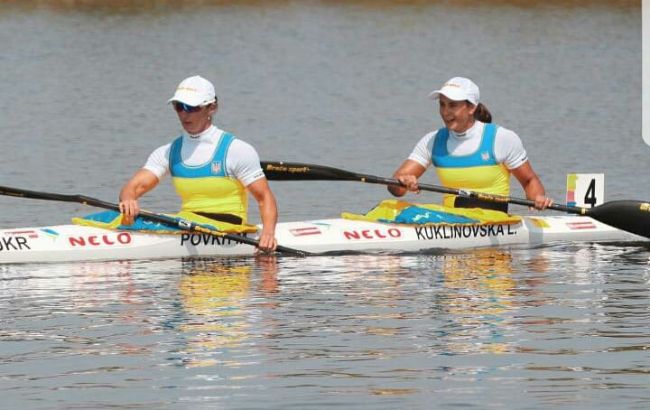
x=470, y=152
x=211, y=170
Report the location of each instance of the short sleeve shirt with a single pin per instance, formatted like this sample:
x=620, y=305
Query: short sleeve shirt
x=242, y=161
x=508, y=148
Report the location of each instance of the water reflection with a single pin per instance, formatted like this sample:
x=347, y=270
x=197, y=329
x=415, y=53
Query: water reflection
x=364, y=326
x=477, y=297
x=216, y=298
x=214, y=304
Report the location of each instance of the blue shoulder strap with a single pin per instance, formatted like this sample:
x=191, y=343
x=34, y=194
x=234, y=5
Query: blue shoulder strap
x=487, y=144
x=175, y=151
x=226, y=139
x=440, y=144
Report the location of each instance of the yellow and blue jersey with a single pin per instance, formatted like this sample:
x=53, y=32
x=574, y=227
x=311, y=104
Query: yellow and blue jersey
x=208, y=188
x=478, y=171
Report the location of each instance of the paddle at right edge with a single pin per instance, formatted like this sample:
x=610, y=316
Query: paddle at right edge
x=627, y=215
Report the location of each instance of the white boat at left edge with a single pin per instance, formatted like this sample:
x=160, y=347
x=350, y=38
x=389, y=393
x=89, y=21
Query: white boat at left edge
x=68, y=243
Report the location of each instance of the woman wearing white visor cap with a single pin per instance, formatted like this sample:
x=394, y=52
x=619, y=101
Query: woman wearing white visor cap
x=211, y=169
x=470, y=152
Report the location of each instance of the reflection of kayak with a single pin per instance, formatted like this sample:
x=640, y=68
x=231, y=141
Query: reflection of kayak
x=76, y=243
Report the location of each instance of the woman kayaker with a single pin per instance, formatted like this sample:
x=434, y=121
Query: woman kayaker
x=470, y=153
x=210, y=168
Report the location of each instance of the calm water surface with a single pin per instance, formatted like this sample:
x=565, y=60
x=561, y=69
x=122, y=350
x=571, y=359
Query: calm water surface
x=343, y=85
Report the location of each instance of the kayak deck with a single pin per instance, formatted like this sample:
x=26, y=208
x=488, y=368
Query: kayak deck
x=332, y=235
x=63, y=243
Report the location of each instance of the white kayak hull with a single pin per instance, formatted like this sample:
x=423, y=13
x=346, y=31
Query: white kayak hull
x=65, y=243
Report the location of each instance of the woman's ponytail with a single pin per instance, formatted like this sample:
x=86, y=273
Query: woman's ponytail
x=482, y=113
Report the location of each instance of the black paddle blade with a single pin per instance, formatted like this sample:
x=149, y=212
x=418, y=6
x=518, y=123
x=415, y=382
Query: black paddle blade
x=627, y=215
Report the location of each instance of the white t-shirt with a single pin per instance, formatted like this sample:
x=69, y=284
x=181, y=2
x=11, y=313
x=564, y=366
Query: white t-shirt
x=242, y=161
x=508, y=149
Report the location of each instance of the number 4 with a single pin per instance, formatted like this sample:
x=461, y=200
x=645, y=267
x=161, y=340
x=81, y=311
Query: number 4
x=590, y=195
x=585, y=190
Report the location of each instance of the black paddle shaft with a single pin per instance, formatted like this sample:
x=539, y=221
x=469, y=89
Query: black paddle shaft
x=627, y=215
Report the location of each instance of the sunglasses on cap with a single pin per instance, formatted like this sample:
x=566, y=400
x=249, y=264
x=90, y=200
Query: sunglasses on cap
x=179, y=106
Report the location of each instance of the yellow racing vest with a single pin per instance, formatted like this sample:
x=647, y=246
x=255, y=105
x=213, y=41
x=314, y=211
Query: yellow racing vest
x=208, y=187
x=478, y=171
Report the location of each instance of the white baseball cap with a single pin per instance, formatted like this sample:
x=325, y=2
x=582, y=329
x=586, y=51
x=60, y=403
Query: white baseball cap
x=194, y=91
x=458, y=89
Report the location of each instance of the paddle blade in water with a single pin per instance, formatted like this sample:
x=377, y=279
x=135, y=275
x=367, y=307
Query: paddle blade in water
x=628, y=215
